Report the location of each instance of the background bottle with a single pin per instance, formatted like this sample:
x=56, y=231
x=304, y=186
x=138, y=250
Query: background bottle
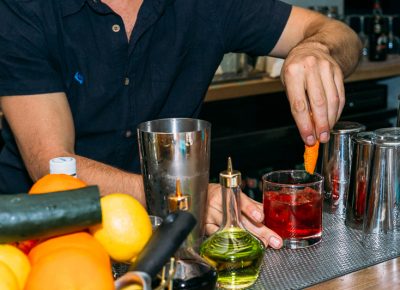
x=63, y=165
x=378, y=36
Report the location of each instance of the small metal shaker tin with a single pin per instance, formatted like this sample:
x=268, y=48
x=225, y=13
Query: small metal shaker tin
x=382, y=208
x=361, y=164
x=336, y=164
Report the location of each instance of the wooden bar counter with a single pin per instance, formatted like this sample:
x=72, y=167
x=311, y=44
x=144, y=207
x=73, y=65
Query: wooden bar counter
x=385, y=276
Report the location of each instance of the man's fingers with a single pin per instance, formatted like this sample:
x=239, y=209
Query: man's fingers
x=251, y=208
x=295, y=89
x=213, y=219
x=252, y=217
x=331, y=92
x=267, y=236
x=317, y=100
x=338, y=79
x=211, y=228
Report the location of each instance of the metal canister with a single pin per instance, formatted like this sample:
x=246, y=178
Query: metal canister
x=361, y=169
x=172, y=149
x=392, y=136
x=383, y=201
x=336, y=164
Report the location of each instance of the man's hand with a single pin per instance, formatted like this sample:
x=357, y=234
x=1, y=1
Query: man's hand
x=252, y=217
x=319, y=53
x=314, y=86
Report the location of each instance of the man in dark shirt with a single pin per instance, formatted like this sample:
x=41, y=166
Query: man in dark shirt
x=78, y=76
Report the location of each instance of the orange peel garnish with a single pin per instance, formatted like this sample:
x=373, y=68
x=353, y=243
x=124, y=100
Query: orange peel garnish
x=311, y=157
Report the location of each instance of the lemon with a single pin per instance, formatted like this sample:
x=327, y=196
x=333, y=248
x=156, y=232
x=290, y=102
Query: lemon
x=125, y=227
x=8, y=281
x=17, y=261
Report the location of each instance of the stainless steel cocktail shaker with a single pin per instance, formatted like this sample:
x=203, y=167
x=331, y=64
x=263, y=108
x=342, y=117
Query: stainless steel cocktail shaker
x=171, y=149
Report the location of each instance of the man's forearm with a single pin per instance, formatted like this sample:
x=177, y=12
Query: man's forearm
x=110, y=179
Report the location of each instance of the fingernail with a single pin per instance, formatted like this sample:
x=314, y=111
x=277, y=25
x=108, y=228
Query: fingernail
x=310, y=140
x=275, y=242
x=324, y=136
x=257, y=215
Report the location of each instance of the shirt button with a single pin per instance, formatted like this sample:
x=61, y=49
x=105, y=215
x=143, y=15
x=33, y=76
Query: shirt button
x=116, y=28
x=126, y=81
x=128, y=133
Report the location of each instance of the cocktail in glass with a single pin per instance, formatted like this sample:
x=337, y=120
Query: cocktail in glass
x=293, y=206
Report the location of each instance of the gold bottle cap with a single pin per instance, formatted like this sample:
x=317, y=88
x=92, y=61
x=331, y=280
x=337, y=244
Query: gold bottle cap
x=230, y=178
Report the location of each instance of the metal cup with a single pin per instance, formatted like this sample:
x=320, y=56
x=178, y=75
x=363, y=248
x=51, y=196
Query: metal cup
x=361, y=169
x=382, y=208
x=336, y=164
x=171, y=149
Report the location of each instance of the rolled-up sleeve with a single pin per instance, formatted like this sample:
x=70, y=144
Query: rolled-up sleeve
x=26, y=65
x=251, y=26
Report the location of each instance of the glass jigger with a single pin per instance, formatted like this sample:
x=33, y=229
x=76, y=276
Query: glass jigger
x=293, y=206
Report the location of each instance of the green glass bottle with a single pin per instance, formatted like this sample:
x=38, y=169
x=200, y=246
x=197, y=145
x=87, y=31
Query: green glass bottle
x=232, y=250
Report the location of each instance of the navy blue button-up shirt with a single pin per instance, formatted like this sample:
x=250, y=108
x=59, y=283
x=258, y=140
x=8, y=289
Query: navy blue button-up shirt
x=80, y=47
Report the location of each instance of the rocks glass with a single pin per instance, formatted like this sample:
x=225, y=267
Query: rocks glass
x=293, y=206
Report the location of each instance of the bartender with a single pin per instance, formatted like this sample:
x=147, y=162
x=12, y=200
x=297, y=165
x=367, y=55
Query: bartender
x=78, y=76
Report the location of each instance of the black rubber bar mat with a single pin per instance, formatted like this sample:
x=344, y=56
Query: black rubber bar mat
x=341, y=251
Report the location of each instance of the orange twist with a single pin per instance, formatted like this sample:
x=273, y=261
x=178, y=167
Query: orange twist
x=311, y=157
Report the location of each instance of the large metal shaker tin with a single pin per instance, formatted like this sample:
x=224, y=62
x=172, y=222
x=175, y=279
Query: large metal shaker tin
x=382, y=211
x=171, y=149
x=336, y=164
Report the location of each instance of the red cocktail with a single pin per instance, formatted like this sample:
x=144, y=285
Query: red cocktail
x=293, y=206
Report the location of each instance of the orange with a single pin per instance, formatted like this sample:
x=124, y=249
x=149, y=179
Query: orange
x=17, y=261
x=56, y=182
x=8, y=281
x=70, y=269
x=125, y=227
x=80, y=240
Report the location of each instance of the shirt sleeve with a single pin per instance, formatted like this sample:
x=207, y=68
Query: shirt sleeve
x=251, y=26
x=26, y=65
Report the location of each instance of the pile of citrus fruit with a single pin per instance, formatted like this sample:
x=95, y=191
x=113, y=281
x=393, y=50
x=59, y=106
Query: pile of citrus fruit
x=79, y=260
